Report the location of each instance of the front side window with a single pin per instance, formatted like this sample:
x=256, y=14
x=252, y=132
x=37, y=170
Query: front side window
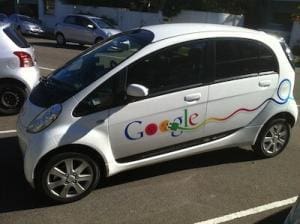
x=109, y=94
x=89, y=66
x=176, y=67
x=84, y=22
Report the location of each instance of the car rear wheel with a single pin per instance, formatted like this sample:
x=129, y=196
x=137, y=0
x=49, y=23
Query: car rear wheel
x=60, y=39
x=68, y=177
x=273, y=138
x=12, y=98
x=98, y=40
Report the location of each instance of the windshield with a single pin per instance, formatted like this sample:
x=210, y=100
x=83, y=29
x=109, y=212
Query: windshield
x=103, y=24
x=89, y=66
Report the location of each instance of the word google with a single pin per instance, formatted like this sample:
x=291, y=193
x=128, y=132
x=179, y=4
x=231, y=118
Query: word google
x=134, y=130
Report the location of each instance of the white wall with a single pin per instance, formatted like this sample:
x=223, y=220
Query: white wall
x=60, y=11
x=130, y=19
x=208, y=17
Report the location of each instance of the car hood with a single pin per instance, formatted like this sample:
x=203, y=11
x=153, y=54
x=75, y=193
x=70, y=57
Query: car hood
x=29, y=24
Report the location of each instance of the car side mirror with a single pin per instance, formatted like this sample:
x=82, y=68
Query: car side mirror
x=90, y=26
x=137, y=90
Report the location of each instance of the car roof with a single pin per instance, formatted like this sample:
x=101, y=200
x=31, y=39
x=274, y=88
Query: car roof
x=165, y=31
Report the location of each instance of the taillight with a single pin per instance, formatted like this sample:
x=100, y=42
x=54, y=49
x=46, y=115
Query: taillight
x=25, y=59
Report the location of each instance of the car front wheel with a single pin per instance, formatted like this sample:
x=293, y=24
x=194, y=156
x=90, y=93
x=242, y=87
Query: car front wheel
x=12, y=98
x=273, y=138
x=60, y=39
x=68, y=177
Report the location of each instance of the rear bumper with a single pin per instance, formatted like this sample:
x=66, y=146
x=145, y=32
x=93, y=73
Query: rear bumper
x=28, y=76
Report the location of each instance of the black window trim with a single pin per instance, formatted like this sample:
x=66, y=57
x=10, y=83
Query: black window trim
x=215, y=80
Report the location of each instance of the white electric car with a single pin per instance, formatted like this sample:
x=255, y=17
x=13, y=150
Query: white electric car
x=155, y=94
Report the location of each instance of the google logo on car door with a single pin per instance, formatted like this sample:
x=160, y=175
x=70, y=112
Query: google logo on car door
x=139, y=129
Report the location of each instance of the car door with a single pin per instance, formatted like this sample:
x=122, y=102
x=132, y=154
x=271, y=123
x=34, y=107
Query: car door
x=175, y=109
x=246, y=77
x=67, y=27
x=85, y=31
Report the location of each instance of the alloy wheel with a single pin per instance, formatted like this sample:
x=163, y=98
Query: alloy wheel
x=275, y=139
x=70, y=178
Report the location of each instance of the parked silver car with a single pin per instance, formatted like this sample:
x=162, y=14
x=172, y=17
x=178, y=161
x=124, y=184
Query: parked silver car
x=27, y=25
x=83, y=29
x=18, y=70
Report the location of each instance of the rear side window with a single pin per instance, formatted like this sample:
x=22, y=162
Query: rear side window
x=239, y=57
x=83, y=22
x=235, y=58
x=17, y=38
x=268, y=61
x=70, y=20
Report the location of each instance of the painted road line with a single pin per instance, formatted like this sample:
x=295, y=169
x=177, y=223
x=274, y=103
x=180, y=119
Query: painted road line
x=251, y=211
x=45, y=68
x=8, y=133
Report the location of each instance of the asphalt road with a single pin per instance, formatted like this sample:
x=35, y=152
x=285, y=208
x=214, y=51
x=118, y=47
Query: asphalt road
x=188, y=190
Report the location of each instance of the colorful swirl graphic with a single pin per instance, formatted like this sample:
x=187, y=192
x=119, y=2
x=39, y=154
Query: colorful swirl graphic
x=282, y=100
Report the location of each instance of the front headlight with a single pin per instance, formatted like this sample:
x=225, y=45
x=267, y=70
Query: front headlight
x=44, y=119
x=108, y=33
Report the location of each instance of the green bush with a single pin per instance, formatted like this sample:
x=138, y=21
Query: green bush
x=296, y=50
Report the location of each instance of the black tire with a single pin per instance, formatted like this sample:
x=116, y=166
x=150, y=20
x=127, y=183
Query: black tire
x=98, y=40
x=12, y=98
x=60, y=39
x=43, y=177
x=19, y=30
x=273, y=138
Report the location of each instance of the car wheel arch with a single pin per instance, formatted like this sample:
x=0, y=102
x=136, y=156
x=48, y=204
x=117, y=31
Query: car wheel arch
x=76, y=148
x=13, y=81
x=283, y=115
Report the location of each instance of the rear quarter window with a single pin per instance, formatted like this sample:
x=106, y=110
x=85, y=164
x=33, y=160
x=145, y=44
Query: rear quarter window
x=15, y=37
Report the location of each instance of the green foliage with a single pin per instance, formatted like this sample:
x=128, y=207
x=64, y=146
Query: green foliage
x=171, y=8
x=296, y=50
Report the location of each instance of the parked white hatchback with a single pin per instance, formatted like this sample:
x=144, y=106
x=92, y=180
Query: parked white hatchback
x=18, y=70
x=155, y=94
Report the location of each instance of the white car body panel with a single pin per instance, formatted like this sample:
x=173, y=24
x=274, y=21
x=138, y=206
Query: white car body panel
x=104, y=131
x=10, y=65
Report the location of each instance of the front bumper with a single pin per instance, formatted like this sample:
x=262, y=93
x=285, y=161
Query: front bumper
x=35, y=32
x=33, y=148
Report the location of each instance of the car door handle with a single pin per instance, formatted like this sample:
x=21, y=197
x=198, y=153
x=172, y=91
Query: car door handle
x=265, y=83
x=192, y=97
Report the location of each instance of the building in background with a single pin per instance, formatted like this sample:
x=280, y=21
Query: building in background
x=26, y=7
x=276, y=16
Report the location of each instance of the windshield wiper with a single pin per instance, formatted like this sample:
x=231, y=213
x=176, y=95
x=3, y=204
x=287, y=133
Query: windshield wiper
x=56, y=83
